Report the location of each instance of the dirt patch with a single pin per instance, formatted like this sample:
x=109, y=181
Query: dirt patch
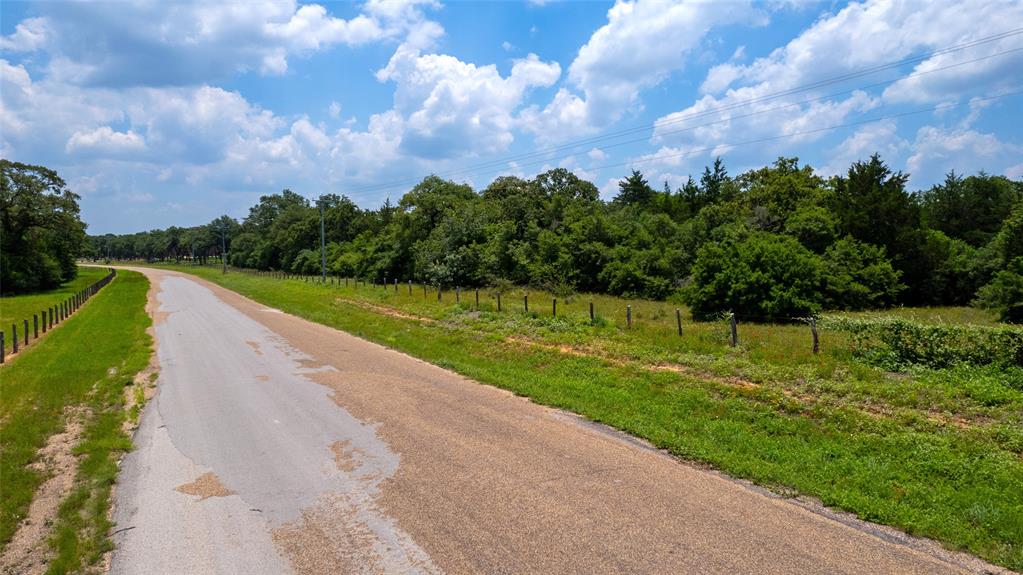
x=263, y=377
x=334, y=537
x=255, y=346
x=346, y=457
x=384, y=310
x=28, y=552
x=205, y=486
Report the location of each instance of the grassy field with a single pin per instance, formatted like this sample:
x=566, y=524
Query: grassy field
x=937, y=453
x=21, y=307
x=85, y=363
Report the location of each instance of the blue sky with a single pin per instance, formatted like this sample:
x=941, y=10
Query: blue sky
x=172, y=113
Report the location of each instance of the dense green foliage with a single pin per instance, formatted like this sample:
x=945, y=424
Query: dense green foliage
x=41, y=234
x=895, y=343
x=771, y=243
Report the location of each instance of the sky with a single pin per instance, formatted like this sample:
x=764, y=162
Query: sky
x=173, y=113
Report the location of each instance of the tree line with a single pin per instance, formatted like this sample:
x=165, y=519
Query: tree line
x=769, y=244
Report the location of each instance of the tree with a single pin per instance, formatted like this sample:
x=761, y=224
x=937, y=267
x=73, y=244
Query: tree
x=857, y=275
x=761, y=277
x=971, y=209
x=1004, y=295
x=41, y=234
x=634, y=191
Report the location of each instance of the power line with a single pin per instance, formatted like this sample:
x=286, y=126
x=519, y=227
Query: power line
x=716, y=110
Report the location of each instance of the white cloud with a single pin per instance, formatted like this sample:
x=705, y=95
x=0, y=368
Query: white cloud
x=131, y=44
x=29, y=35
x=859, y=36
x=642, y=43
x=334, y=110
x=937, y=150
x=453, y=107
x=104, y=139
x=881, y=138
x=597, y=155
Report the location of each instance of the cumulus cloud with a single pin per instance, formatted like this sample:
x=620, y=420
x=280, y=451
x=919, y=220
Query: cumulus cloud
x=105, y=140
x=453, y=107
x=642, y=43
x=740, y=101
x=124, y=44
x=29, y=35
x=937, y=150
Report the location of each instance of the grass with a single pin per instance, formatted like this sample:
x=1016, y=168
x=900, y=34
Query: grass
x=87, y=363
x=937, y=453
x=16, y=309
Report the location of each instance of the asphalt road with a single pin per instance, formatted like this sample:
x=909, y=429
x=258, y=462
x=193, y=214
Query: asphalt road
x=276, y=445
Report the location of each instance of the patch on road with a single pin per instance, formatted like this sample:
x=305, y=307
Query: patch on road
x=205, y=486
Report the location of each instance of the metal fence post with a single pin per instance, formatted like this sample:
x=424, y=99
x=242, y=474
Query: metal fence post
x=678, y=320
x=628, y=316
x=591, y=312
x=813, y=331
x=554, y=307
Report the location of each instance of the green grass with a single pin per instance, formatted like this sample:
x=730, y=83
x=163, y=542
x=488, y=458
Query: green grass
x=16, y=309
x=937, y=453
x=87, y=362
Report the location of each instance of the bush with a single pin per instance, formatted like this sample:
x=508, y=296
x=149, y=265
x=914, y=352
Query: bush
x=1004, y=295
x=895, y=343
x=858, y=276
x=762, y=277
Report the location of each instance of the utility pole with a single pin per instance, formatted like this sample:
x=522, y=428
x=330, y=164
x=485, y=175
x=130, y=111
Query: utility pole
x=323, y=245
x=223, y=246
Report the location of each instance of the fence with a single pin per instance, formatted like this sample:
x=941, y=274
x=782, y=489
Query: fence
x=733, y=321
x=50, y=317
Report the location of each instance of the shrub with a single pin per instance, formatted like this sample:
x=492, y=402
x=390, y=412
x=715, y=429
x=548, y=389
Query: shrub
x=859, y=276
x=1004, y=295
x=895, y=343
x=762, y=277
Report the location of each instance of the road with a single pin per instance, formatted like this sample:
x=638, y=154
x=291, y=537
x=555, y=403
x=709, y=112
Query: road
x=276, y=445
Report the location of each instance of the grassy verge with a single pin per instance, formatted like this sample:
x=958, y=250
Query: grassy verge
x=15, y=309
x=938, y=453
x=87, y=362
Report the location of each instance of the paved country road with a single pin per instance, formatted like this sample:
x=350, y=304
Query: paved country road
x=276, y=445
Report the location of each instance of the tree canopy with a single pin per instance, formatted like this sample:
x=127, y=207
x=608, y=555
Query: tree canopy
x=41, y=234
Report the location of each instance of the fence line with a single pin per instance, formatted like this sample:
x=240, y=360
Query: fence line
x=733, y=321
x=51, y=316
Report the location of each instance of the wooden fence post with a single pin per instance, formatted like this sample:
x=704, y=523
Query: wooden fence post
x=592, y=319
x=735, y=330
x=14, y=338
x=525, y=301
x=628, y=316
x=35, y=326
x=26, y=332
x=3, y=350
x=44, y=320
x=813, y=331
x=678, y=320
x=554, y=307
x=498, y=301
